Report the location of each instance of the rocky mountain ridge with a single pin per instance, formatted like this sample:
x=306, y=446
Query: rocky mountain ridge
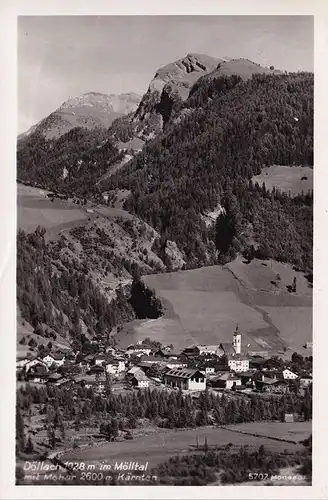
x=90, y=110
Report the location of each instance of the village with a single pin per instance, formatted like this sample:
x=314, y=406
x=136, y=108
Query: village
x=147, y=365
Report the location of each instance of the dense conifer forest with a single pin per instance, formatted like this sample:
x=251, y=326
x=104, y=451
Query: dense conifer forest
x=228, y=130
x=56, y=292
x=209, y=159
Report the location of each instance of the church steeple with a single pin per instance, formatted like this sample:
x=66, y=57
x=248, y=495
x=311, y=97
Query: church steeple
x=236, y=342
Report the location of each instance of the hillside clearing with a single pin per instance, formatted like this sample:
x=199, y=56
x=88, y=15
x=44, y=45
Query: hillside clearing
x=286, y=178
x=204, y=305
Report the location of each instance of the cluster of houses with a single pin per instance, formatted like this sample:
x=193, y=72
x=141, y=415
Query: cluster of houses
x=221, y=366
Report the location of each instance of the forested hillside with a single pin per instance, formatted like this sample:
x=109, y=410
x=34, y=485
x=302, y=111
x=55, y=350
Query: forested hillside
x=71, y=164
x=56, y=292
x=212, y=145
x=209, y=158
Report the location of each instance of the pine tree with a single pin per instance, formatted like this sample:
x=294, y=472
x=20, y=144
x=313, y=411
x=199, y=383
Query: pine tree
x=20, y=435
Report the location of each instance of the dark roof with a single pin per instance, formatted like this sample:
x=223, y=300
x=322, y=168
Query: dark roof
x=274, y=374
x=184, y=372
x=175, y=361
x=237, y=357
x=55, y=376
x=227, y=347
x=140, y=376
x=97, y=368
x=271, y=381
x=139, y=347
x=151, y=358
x=56, y=355
x=250, y=373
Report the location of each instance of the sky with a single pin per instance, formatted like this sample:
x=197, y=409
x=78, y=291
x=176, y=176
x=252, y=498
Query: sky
x=65, y=56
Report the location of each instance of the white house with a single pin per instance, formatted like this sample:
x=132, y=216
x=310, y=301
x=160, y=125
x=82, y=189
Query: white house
x=306, y=380
x=238, y=363
x=140, y=380
x=186, y=378
x=289, y=375
x=57, y=359
x=115, y=366
x=208, y=349
x=225, y=380
x=100, y=359
x=209, y=370
x=28, y=362
x=138, y=349
x=175, y=363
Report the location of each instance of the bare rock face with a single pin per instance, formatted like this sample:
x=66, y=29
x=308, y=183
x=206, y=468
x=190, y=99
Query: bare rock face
x=173, y=82
x=89, y=110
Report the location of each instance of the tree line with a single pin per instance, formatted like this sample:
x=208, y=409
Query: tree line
x=56, y=292
x=189, y=169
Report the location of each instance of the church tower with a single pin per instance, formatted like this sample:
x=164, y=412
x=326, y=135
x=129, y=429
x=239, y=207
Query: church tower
x=236, y=342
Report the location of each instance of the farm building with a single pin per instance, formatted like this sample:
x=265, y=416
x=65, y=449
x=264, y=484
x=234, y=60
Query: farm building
x=167, y=353
x=54, y=358
x=208, y=349
x=305, y=380
x=140, y=380
x=97, y=371
x=175, y=363
x=28, y=363
x=138, y=349
x=37, y=373
x=115, y=366
x=192, y=350
x=225, y=380
x=151, y=360
x=186, y=378
x=274, y=385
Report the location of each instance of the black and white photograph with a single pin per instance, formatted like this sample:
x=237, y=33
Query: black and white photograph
x=164, y=251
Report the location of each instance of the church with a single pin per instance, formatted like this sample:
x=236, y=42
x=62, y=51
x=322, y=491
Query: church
x=237, y=362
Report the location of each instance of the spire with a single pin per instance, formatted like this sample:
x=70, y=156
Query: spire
x=237, y=331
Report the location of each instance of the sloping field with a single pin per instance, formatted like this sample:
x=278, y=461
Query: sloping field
x=35, y=209
x=204, y=305
x=295, y=326
x=157, y=448
x=296, y=431
x=286, y=178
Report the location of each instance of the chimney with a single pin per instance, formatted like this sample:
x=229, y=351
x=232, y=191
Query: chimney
x=262, y=377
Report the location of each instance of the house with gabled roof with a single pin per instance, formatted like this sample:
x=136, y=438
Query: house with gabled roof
x=151, y=359
x=274, y=385
x=289, y=374
x=140, y=380
x=226, y=349
x=225, y=380
x=176, y=363
x=190, y=379
x=114, y=366
x=138, y=350
x=54, y=358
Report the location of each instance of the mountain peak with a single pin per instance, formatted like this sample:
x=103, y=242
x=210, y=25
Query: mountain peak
x=89, y=110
